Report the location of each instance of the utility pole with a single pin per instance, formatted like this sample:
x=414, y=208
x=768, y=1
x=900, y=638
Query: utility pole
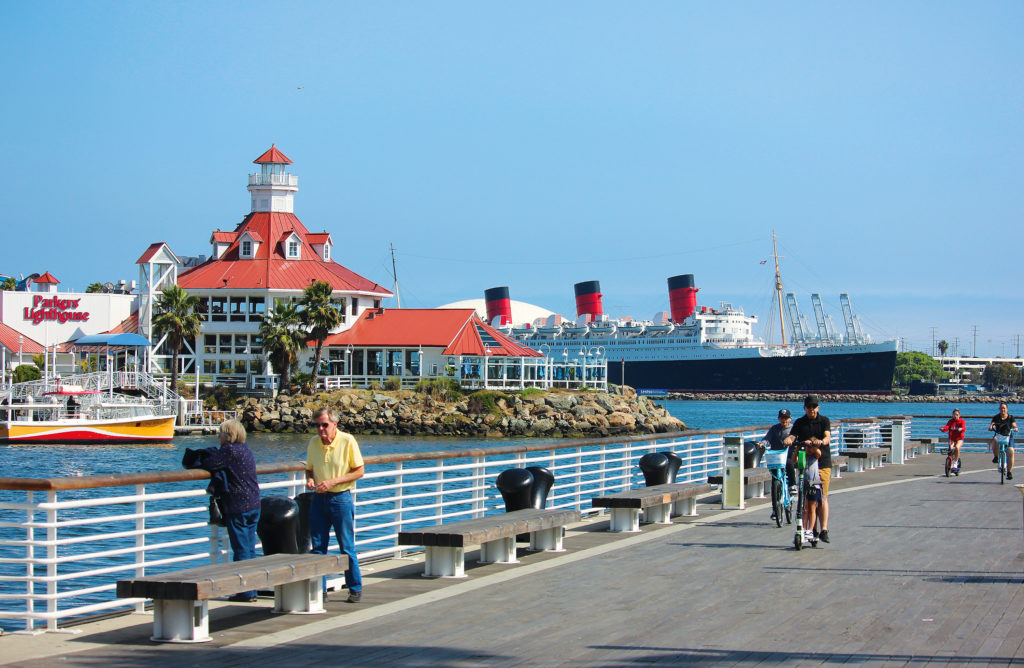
x=1016, y=340
x=974, y=348
x=394, y=273
x=956, y=346
x=933, y=341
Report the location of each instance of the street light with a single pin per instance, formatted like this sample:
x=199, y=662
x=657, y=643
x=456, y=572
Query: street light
x=21, y=344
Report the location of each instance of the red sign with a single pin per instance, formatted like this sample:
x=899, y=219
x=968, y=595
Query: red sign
x=54, y=308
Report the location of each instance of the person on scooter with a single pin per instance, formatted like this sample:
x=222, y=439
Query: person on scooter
x=814, y=432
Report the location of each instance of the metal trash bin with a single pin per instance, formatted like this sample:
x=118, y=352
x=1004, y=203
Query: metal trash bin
x=277, y=528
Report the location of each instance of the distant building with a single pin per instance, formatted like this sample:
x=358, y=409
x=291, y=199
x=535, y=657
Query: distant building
x=269, y=256
x=960, y=368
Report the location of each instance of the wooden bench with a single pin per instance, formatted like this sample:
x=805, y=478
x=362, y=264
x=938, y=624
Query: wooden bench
x=838, y=462
x=180, y=612
x=659, y=504
x=754, y=482
x=863, y=459
x=924, y=445
x=495, y=534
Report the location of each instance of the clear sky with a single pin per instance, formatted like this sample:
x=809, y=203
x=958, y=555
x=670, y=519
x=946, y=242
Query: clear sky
x=539, y=144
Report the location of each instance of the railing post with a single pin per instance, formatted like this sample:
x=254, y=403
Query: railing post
x=140, y=540
x=399, y=500
x=51, y=566
x=30, y=557
x=479, y=499
x=439, y=494
x=577, y=499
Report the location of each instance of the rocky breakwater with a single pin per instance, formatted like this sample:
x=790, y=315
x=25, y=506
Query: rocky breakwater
x=850, y=398
x=485, y=413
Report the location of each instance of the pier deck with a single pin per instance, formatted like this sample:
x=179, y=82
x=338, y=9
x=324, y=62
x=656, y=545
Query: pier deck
x=921, y=570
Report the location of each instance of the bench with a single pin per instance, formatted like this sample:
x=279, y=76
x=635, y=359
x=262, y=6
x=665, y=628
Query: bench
x=754, y=482
x=180, y=612
x=924, y=445
x=863, y=459
x=495, y=534
x=838, y=462
x=658, y=502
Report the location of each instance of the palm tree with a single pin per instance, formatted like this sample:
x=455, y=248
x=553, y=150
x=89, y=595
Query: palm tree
x=943, y=347
x=9, y=284
x=176, y=317
x=94, y=287
x=320, y=316
x=282, y=339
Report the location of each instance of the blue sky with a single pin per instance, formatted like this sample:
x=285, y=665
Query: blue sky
x=536, y=145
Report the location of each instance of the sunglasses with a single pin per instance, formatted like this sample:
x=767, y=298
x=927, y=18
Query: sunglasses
x=322, y=425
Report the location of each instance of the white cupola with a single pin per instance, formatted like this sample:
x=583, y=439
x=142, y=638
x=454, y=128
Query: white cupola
x=273, y=189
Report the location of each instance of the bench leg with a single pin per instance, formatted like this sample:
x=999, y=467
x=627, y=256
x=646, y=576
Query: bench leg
x=754, y=490
x=305, y=597
x=501, y=551
x=624, y=520
x=444, y=562
x=180, y=621
x=856, y=465
x=549, y=540
x=685, y=507
x=659, y=514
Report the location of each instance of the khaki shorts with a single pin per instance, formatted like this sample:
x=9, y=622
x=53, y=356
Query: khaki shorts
x=826, y=476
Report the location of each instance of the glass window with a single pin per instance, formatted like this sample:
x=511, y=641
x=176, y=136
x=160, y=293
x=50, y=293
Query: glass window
x=374, y=362
x=412, y=363
x=225, y=366
x=209, y=344
x=376, y=303
x=225, y=344
x=357, y=362
x=241, y=366
x=219, y=309
x=238, y=309
x=241, y=344
x=256, y=367
x=256, y=344
x=257, y=309
x=209, y=366
x=355, y=305
x=327, y=252
x=394, y=363
x=293, y=249
x=203, y=308
x=246, y=248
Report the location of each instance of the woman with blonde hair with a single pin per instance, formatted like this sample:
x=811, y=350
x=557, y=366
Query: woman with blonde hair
x=233, y=480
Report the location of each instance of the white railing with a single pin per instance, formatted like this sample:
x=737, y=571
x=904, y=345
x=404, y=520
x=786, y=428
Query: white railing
x=65, y=542
x=273, y=180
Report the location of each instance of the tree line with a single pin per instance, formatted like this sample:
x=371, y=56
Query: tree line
x=911, y=366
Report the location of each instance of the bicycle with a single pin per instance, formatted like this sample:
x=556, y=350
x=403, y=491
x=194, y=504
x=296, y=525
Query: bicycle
x=1005, y=441
x=950, y=461
x=782, y=501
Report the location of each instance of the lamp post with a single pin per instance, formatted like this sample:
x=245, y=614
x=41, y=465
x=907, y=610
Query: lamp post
x=21, y=344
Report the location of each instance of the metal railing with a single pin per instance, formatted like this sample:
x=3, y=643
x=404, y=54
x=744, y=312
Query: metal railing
x=65, y=542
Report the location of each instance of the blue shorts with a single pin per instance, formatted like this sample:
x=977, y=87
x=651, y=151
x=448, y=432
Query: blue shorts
x=814, y=493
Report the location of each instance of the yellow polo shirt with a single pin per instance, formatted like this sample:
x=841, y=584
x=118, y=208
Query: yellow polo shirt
x=336, y=459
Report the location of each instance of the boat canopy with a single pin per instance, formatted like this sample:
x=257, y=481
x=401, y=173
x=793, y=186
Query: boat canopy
x=123, y=339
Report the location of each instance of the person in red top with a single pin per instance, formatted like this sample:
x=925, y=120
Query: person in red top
x=955, y=428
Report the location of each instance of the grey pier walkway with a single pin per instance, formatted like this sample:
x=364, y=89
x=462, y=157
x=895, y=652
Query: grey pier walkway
x=921, y=571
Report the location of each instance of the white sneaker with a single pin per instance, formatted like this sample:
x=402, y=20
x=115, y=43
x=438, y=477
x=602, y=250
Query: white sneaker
x=808, y=535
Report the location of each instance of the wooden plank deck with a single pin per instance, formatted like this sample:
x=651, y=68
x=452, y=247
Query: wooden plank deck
x=921, y=570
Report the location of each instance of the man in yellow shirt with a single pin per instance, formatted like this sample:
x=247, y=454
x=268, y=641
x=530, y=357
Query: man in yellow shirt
x=333, y=464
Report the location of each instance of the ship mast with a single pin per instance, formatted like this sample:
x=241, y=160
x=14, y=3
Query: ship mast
x=778, y=287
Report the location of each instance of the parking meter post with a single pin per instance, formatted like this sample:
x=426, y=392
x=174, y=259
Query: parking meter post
x=732, y=474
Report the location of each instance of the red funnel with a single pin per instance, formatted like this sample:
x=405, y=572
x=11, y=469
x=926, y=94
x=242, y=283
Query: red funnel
x=588, y=299
x=682, y=297
x=498, y=305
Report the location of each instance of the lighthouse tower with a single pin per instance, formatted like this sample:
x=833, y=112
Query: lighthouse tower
x=273, y=189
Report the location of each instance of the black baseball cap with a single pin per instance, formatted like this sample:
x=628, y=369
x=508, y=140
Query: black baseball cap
x=810, y=400
x=784, y=413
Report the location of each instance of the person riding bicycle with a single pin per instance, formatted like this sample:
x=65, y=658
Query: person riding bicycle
x=1002, y=423
x=774, y=439
x=956, y=428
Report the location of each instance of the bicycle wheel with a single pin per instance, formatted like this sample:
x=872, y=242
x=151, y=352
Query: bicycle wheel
x=949, y=464
x=777, y=501
x=789, y=511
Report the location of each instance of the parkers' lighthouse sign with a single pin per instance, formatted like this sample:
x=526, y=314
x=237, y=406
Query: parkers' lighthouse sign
x=54, y=308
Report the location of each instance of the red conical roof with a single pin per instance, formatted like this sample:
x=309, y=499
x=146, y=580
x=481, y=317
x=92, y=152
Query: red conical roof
x=273, y=155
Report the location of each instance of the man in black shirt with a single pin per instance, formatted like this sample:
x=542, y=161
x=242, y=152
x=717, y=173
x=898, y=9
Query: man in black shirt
x=814, y=432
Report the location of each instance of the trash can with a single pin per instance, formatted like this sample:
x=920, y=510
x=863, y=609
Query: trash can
x=674, y=462
x=302, y=539
x=278, y=525
x=543, y=479
x=516, y=487
x=654, y=466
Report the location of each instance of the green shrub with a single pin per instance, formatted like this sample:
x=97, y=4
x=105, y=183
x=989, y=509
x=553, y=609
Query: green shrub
x=530, y=391
x=393, y=383
x=486, y=401
x=221, y=398
x=26, y=372
x=374, y=385
x=442, y=389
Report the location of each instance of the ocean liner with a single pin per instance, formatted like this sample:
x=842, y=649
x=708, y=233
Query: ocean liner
x=702, y=349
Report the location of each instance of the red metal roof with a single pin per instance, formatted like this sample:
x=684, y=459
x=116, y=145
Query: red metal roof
x=222, y=237
x=254, y=235
x=129, y=325
x=458, y=330
x=319, y=238
x=273, y=155
x=150, y=252
x=47, y=277
x=9, y=339
x=269, y=269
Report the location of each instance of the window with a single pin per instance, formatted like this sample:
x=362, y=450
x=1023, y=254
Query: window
x=203, y=308
x=225, y=366
x=209, y=366
x=394, y=363
x=327, y=252
x=374, y=362
x=257, y=344
x=412, y=363
x=209, y=344
x=355, y=306
x=293, y=249
x=357, y=363
x=241, y=366
x=376, y=303
x=246, y=248
x=225, y=344
x=218, y=309
x=257, y=309
x=241, y=344
x=237, y=309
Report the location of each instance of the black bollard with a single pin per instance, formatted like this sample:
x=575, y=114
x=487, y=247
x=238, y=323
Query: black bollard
x=751, y=455
x=515, y=486
x=543, y=479
x=302, y=539
x=279, y=519
x=654, y=466
x=674, y=462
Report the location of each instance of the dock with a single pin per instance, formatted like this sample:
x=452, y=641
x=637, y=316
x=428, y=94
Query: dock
x=921, y=570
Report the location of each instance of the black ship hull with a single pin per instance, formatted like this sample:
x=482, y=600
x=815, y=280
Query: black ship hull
x=852, y=373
